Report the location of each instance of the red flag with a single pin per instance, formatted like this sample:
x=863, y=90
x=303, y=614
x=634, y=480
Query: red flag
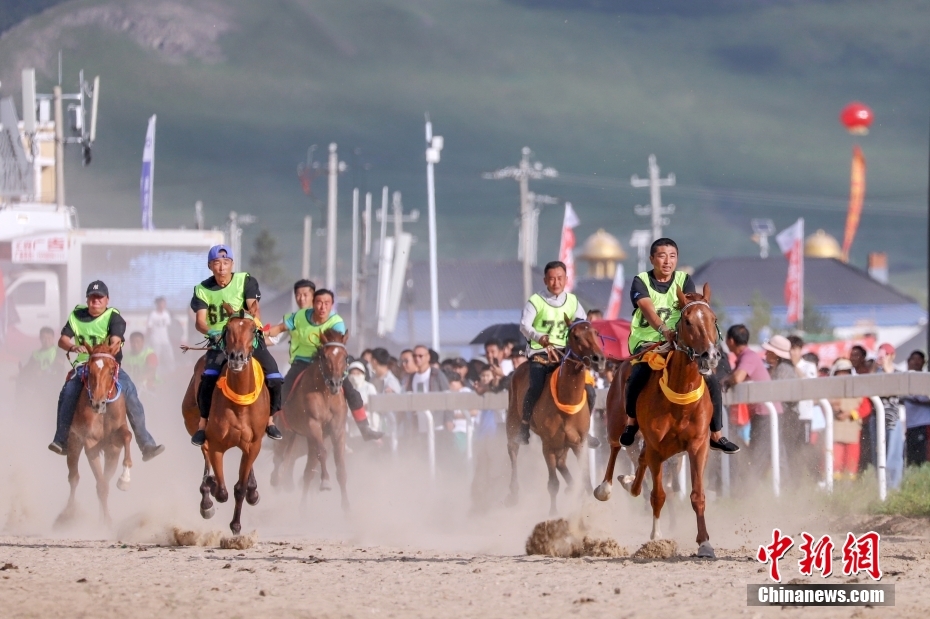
x=791, y=242
x=856, y=196
x=567, y=245
x=616, y=294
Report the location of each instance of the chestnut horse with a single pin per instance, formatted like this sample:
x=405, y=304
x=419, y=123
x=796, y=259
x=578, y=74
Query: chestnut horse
x=669, y=428
x=99, y=426
x=315, y=408
x=559, y=431
x=231, y=424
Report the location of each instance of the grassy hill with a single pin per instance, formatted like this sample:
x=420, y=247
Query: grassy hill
x=740, y=102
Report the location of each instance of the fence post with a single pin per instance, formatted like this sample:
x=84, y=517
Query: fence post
x=724, y=461
x=392, y=416
x=470, y=436
x=879, y=411
x=431, y=443
x=827, y=444
x=776, y=455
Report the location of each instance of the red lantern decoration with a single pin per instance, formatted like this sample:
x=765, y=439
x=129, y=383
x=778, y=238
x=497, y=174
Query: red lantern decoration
x=857, y=117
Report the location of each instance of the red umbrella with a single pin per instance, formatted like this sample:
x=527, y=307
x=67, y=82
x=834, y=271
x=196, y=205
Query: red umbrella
x=614, y=337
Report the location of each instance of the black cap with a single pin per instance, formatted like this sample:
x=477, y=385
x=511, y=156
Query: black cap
x=97, y=289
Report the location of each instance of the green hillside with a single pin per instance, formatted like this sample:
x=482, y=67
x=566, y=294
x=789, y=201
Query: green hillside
x=740, y=103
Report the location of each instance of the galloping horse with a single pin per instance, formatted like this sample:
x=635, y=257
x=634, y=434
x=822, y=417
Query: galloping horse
x=316, y=408
x=674, y=412
x=238, y=415
x=561, y=416
x=99, y=425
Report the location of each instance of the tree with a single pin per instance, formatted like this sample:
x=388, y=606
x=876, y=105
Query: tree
x=761, y=315
x=265, y=263
x=815, y=321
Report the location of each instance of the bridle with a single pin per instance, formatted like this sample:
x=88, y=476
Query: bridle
x=678, y=345
x=334, y=383
x=569, y=354
x=86, y=376
x=255, y=332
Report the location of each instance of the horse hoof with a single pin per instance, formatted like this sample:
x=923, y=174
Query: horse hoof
x=602, y=492
x=122, y=485
x=325, y=486
x=222, y=495
x=252, y=498
x=626, y=481
x=208, y=513
x=235, y=527
x=706, y=551
x=511, y=500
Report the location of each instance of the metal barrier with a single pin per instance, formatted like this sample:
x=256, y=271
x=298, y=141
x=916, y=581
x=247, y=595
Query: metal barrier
x=872, y=386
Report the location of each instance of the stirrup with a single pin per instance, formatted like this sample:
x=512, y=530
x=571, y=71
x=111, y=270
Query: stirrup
x=629, y=435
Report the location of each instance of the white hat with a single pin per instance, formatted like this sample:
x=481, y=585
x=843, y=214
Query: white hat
x=779, y=345
x=841, y=365
x=358, y=365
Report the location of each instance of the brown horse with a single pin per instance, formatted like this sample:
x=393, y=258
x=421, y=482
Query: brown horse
x=231, y=424
x=99, y=426
x=669, y=428
x=559, y=431
x=315, y=408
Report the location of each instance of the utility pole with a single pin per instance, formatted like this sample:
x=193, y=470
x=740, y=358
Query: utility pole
x=353, y=316
x=655, y=210
x=390, y=285
x=522, y=174
x=334, y=168
x=59, y=149
x=641, y=240
x=198, y=215
x=305, y=259
x=234, y=231
x=434, y=144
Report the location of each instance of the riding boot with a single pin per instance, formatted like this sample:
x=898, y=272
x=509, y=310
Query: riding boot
x=716, y=421
x=537, y=379
x=135, y=413
x=639, y=377
x=365, y=428
x=67, y=401
x=274, y=390
x=204, y=401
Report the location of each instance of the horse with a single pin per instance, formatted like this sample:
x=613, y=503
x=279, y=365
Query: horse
x=669, y=428
x=99, y=426
x=562, y=424
x=238, y=416
x=315, y=408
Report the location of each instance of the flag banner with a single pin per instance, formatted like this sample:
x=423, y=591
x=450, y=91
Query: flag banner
x=791, y=242
x=146, y=188
x=567, y=245
x=616, y=294
x=856, y=197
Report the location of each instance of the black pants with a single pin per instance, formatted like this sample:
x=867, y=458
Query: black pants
x=539, y=374
x=916, y=449
x=216, y=359
x=353, y=397
x=639, y=377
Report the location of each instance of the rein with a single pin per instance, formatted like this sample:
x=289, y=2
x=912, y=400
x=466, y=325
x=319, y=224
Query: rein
x=687, y=349
x=86, y=375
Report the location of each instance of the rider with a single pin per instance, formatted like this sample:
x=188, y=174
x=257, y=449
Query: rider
x=543, y=325
x=305, y=326
x=45, y=361
x=141, y=360
x=87, y=326
x=240, y=291
x=655, y=299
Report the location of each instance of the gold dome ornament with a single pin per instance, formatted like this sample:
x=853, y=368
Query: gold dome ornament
x=822, y=245
x=602, y=251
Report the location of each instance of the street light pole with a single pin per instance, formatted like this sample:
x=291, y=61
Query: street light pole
x=434, y=146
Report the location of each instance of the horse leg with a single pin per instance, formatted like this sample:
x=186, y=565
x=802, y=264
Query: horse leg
x=251, y=489
x=312, y=459
x=239, y=490
x=283, y=472
x=634, y=483
x=581, y=455
x=216, y=461
x=103, y=488
x=698, y=458
x=75, y=446
x=317, y=430
x=123, y=482
x=602, y=492
x=339, y=458
x=562, y=467
x=513, y=448
x=657, y=497
x=553, y=484
x=207, y=487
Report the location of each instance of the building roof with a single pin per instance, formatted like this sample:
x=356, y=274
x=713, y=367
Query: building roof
x=472, y=285
x=822, y=245
x=827, y=281
x=602, y=246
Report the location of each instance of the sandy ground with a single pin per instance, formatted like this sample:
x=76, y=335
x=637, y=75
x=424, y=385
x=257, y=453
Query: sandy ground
x=409, y=547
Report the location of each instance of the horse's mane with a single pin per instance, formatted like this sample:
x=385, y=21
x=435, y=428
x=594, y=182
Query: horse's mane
x=331, y=335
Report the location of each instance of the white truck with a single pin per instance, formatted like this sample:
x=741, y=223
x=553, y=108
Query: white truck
x=47, y=264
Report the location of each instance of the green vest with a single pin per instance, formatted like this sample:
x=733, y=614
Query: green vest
x=665, y=304
x=551, y=320
x=135, y=364
x=305, y=336
x=45, y=357
x=233, y=294
x=92, y=333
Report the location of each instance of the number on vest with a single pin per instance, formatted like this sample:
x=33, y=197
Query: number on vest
x=663, y=313
x=216, y=314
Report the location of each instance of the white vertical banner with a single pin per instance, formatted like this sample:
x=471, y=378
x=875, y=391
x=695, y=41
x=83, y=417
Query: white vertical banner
x=146, y=183
x=791, y=242
x=616, y=294
x=567, y=245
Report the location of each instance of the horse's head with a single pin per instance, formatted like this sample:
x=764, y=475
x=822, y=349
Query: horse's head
x=239, y=338
x=101, y=376
x=584, y=343
x=697, y=330
x=334, y=358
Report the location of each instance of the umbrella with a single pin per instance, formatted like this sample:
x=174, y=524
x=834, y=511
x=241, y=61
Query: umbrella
x=502, y=331
x=614, y=337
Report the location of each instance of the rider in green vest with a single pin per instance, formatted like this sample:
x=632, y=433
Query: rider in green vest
x=543, y=325
x=47, y=358
x=313, y=317
x=87, y=326
x=239, y=291
x=141, y=360
x=654, y=295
